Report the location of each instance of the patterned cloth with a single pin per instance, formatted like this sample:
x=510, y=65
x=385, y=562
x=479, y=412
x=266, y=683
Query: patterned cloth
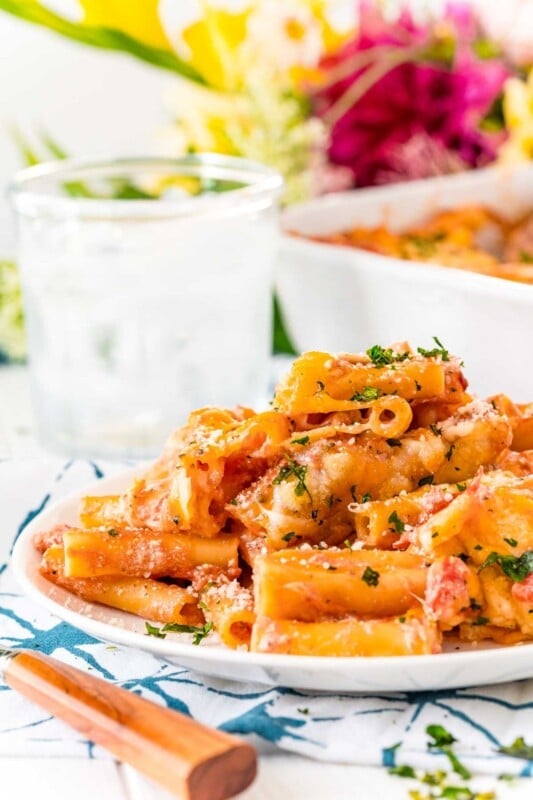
x=359, y=729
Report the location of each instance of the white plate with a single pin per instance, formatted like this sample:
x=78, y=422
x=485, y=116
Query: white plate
x=345, y=299
x=468, y=666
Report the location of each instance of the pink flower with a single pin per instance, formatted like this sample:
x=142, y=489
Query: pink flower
x=436, y=90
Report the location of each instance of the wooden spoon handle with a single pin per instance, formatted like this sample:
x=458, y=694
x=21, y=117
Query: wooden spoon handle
x=189, y=759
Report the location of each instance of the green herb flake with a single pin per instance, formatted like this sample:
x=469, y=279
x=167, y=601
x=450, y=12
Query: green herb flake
x=233, y=502
x=394, y=442
x=176, y=520
x=368, y=394
x=435, y=429
x=449, y=453
x=510, y=541
x=427, y=480
x=293, y=469
x=460, y=487
x=288, y=536
x=440, y=350
x=418, y=386
x=518, y=749
x=321, y=386
x=382, y=357
x=302, y=441
x=516, y=568
x=112, y=532
x=303, y=710
x=329, y=501
x=481, y=621
x=525, y=257
x=402, y=619
x=396, y=522
x=366, y=498
x=402, y=771
x=153, y=630
x=441, y=739
x=370, y=577
x=198, y=632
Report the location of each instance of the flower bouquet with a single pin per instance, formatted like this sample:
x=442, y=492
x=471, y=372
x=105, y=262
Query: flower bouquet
x=384, y=98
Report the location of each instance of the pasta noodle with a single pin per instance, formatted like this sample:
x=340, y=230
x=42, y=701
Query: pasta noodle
x=377, y=508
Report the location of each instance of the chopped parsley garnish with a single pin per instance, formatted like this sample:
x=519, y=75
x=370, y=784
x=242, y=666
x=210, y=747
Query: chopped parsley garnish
x=321, y=386
x=366, y=498
x=370, y=577
x=441, y=739
x=233, y=502
x=402, y=771
x=440, y=350
x=396, y=522
x=368, y=394
x=481, y=621
x=478, y=547
x=393, y=442
x=112, y=532
x=302, y=441
x=288, y=536
x=299, y=471
x=418, y=386
x=516, y=568
x=402, y=619
x=382, y=357
x=449, y=453
x=510, y=541
x=303, y=710
x=198, y=632
x=153, y=630
x=176, y=520
x=427, y=480
x=329, y=501
x=525, y=257
x=460, y=487
x=435, y=429
x=518, y=749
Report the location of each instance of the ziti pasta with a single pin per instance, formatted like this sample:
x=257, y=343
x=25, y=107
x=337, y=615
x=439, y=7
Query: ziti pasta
x=376, y=509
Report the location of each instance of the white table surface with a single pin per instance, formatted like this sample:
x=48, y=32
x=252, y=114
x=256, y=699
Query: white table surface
x=280, y=776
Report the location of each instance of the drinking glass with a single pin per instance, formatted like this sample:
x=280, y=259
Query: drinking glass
x=147, y=293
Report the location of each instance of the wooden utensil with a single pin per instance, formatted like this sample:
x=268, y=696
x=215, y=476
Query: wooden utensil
x=189, y=759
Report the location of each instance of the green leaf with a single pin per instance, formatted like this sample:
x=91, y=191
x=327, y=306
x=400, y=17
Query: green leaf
x=27, y=152
x=516, y=568
x=403, y=771
x=518, y=749
x=440, y=736
x=153, y=630
x=368, y=394
x=103, y=38
x=282, y=343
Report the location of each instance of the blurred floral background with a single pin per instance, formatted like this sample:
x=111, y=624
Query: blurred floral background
x=333, y=94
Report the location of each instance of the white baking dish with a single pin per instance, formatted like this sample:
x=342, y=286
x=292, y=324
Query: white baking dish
x=345, y=299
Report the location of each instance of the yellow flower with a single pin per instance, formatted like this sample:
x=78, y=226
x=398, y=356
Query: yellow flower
x=518, y=114
x=214, y=42
x=139, y=19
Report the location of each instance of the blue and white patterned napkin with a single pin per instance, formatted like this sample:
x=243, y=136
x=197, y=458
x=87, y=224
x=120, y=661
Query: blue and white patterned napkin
x=347, y=728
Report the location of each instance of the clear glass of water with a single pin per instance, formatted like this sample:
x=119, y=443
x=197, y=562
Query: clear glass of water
x=147, y=292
